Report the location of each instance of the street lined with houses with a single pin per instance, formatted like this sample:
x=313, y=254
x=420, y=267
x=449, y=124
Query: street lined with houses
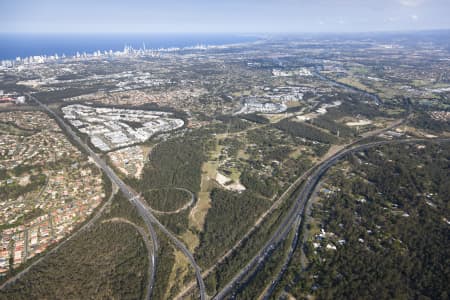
x=135, y=200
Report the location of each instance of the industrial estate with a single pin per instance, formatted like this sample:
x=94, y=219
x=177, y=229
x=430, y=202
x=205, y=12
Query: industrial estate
x=110, y=128
x=287, y=168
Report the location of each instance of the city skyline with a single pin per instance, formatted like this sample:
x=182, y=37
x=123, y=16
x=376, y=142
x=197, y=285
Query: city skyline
x=200, y=16
x=251, y=149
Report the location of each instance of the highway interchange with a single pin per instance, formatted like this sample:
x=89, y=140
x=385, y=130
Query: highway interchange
x=291, y=220
x=135, y=200
x=57, y=247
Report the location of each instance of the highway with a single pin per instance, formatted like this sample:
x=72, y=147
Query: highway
x=296, y=211
x=184, y=207
x=57, y=247
x=148, y=244
x=347, y=87
x=298, y=229
x=134, y=199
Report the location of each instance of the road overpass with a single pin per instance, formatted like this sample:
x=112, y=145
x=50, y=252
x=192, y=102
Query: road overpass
x=134, y=199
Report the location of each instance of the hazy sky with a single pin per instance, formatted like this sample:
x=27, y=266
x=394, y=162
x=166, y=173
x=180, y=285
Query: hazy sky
x=222, y=16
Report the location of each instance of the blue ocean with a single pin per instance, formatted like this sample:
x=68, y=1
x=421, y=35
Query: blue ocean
x=24, y=45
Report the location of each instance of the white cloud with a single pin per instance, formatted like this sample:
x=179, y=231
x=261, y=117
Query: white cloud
x=411, y=3
x=414, y=17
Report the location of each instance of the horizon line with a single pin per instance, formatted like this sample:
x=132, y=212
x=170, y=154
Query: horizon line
x=229, y=32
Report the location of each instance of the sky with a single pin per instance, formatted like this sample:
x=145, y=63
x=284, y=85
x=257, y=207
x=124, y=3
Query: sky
x=225, y=16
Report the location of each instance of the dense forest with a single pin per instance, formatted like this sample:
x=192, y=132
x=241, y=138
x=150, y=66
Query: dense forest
x=230, y=215
x=332, y=126
x=167, y=199
x=232, y=123
x=108, y=261
x=256, y=118
x=165, y=262
x=352, y=106
x=306, y=131
x=273, y=144
x=172, y=164
x=249, y=247
x=121, y=207
x=387, y=218
x=424, y=121
x=266, y=187
x=177, y=223
x=56, y=95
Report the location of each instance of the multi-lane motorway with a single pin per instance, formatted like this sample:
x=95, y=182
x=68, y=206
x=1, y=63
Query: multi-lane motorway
x=61, y=244
x=296, y=212
x=291, y=219
x=374, y=97
x=135, y=200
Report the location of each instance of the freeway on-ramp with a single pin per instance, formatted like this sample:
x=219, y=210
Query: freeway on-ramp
x=135, y=200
